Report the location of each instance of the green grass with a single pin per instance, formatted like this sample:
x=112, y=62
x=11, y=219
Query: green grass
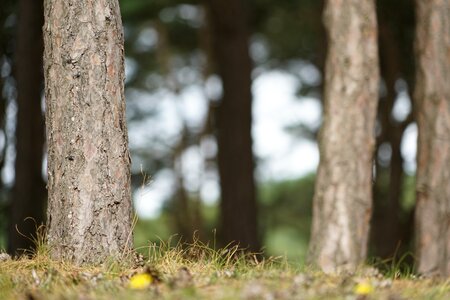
x=196, y=271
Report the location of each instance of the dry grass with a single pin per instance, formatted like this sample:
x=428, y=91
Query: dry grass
x=196, y=271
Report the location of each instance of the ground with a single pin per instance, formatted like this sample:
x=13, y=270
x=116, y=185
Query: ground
x=198, y=272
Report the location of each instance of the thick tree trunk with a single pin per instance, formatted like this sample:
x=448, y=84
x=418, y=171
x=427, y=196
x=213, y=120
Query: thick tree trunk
x=28, y=195
x=235, y=156
x=343, y=192
x=89, y=211
x=432, y=96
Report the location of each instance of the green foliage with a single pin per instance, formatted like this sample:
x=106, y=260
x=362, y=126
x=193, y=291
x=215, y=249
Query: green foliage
x=395, y=268
x=409, y=193
x=279, y=21
x=285, y=218
x=151, y=231
x=286, y=210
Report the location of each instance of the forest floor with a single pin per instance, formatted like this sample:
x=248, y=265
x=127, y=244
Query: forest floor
x=198, y=272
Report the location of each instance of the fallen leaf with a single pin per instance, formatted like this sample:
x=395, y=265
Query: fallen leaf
x=140, y=281
x=363, y=288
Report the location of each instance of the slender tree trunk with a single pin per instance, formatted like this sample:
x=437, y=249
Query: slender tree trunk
x=28, y=196
x=343, y=192
x=182, y=214
x=89, y=211
x=235, y=157
x=3, y=104
x=386, y=211
x=432, y=96
x=4, y=99
x=390, y=235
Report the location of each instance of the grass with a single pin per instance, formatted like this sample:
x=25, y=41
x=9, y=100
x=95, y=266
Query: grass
x=195, y=271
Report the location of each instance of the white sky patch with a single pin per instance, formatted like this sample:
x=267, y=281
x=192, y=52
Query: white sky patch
x=210, y=189
x=149, y=199
x=276, y=107
x=8, y=171
x=167, y=117
x=409, y=148
x=2, y=140
x=194, y=105
x=130, y=69
x=147, y=40
x=213, y=87
x=309, y=74
x=165, y=123
x=259, y=49
x=402, y=106
x=192, y=168
x=309, y=111
x=208, y=146
x=189, y=13
x=142, y=101
x=273, y=93
x=301, y=158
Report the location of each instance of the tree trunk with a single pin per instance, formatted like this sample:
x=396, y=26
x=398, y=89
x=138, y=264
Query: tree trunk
x=235, y=156
x=343, y=192
x=182, y=207
x=385, y=229
x=89, y=211
x=432, y=96
x=28, y=197
x=3, y=97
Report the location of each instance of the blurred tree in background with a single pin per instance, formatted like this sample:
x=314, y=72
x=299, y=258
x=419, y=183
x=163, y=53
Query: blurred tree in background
x=238, y=209
x=23, y=199
x=28, y=193
x=391, y=230
x=7, y=91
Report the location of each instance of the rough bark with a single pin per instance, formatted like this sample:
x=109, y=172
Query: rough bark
x=432, y=96
x=234, y=118
x=89, y=211
x=343, y=191
x=28, y=195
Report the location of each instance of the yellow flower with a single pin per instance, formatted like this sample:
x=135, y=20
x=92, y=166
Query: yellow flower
x=140, y=281
x=363, y=288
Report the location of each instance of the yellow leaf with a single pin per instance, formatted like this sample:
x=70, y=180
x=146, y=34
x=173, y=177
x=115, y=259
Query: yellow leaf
x=363, y=288
x=140, y=281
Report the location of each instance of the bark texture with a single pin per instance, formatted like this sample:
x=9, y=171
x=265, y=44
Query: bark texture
x=343, y=192
x=234, y=119
x=28, y=196
x=432, y=96
x=89, y=211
